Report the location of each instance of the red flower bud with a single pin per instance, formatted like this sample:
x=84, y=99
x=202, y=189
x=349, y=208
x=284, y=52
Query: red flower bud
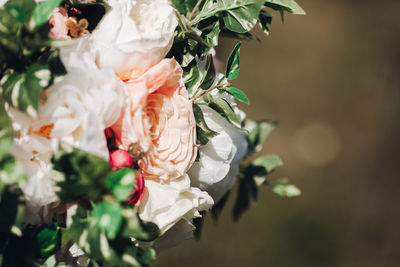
x=138, y=190
x=120, y=159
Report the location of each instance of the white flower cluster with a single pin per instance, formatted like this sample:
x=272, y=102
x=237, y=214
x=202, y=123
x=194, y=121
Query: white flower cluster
x=118, y=77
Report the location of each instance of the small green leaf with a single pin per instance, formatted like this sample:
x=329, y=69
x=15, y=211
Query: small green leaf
x=225, y=110
x=238, y=94
x=289, y=5
x=240, y=15
x=121, y=183
x=287, y=190
x=265, y=19
x=22, y=90
x=204, y=133
x=42, y=12
x=47, y=240
x=233, y=64
x=212, y=36
x=148, y=255
x=134, y=227
x=81, y=174
x=17, y=13
x=269, y=163
x=257, y=133
x=108, y=216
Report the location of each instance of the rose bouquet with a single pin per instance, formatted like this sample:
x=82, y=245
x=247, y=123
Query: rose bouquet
x=118, y=131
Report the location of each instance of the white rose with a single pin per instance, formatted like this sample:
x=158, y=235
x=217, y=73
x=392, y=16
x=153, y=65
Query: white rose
x=33, y=150
x=134, y=34
x=173, y=202
x=85, y=102
x=220, y=157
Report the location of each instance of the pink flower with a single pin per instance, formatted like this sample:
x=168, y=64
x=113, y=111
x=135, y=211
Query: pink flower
x=159, y=119
x=58, y=23
x=120, y=159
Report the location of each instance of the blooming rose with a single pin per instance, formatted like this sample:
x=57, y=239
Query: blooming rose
x=220, y=157
x=33, y=149
x=83, y=103
x=134, y=35
x=176, y=201
x=159, y=119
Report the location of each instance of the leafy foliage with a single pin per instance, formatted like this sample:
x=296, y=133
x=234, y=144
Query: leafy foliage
x=27, y=66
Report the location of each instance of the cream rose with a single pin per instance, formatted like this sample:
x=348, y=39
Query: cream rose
x=175, y=203
x=33, y=149
x=220, y=157
x=159, y=120
x=134, y=35
x=83, y=103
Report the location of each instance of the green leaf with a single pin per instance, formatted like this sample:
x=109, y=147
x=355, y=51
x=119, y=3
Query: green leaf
x=108, y=216
x=184, y=6
x=200, y=76
x=47, y=240
x=16, y=12
x=121, y=183
x=10, y=30
x=225, y=110
x=257, y=133
x=286, y=190
x=42, y=12
x=212, y=36
x=80, y=174
x=22, y=90
x=233, y=64
x=134, y=227
x=289, y=5
x=238, y=94
x=204, y=133
x=148, y=255
x=269, y=163
x=259, y=168
x=265, y=19
x=240, y=15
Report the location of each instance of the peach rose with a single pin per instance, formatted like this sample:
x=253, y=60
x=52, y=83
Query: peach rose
x=159, y=121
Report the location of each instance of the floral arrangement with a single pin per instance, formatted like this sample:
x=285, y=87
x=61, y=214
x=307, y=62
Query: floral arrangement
x=118, y=128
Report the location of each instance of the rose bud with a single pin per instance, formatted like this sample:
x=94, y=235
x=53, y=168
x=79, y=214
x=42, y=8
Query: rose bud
x=120, y=159
x=138, y=190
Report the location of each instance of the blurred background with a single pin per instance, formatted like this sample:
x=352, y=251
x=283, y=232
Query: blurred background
x=332, y=79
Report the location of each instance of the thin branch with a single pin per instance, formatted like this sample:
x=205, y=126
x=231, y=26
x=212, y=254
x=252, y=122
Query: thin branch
x=195, y=9
x=209, y=90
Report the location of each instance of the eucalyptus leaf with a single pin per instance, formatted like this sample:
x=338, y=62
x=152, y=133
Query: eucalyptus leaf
x=233, y=64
